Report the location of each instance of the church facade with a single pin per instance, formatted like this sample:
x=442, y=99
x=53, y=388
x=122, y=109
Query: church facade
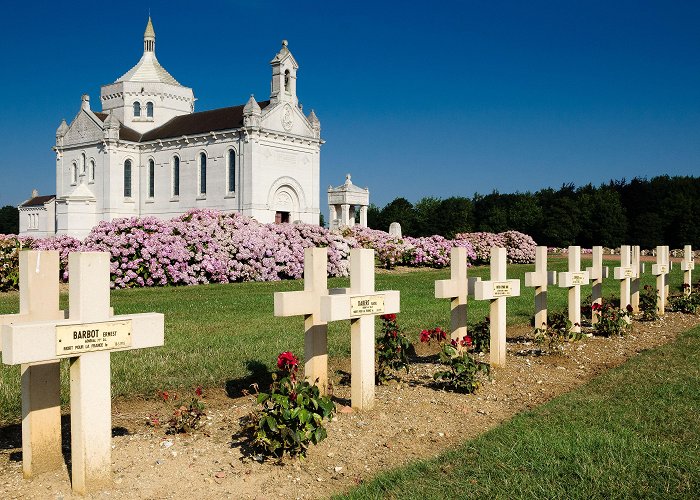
x=148, y=153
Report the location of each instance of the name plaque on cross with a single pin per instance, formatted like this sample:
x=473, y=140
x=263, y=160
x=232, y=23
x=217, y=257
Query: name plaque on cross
x=365, y=305
x=579, y=278
x=76, y=339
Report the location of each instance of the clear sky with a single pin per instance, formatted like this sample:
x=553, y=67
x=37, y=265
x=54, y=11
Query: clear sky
x=415, y=98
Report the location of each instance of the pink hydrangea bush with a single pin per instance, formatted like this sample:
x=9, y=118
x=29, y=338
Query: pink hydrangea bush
x=520, y=248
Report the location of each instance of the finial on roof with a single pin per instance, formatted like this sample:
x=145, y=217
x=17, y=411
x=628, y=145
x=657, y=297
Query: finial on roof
x=112, y=121
x=347, y=180
x=62, y=128
x=284, y=43
x=252, y=106
x=35, y=193
x=149, y=37
x=85, y=104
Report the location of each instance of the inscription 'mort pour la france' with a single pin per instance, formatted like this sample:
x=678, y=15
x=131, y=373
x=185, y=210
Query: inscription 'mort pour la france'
x=76, y=339
x=366, y=304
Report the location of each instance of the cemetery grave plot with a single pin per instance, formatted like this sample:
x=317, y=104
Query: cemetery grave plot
x=410, y=420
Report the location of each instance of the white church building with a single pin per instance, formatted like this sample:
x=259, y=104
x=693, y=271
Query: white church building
x=147, y=152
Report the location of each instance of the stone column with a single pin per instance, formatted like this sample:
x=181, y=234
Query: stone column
x=363, y=216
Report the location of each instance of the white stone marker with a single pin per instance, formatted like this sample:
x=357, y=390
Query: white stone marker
x=660, y=270
x=598, y=272
x=573, y=279
x=456, y=289
x=638, y=267
x=308, y=304
x=87, y=338
x=360, y=304
x=625, y=273
x=539, y=279
x=497, y=290
x=41, y=386
x=687, y=266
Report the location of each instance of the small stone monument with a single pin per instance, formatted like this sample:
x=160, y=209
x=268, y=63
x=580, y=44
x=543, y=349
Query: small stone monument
x=308, y=304
x=638, y=267
x=625, y=273
x=660, y=270
x=41, y=388
x=497, y=290
x=539, y=279
x=395, y=230
x=342, y=201
x=360, y=304
x=597, y=273
x=87, y=337
x=456, y=289
x=573, y=279
x=687, y=266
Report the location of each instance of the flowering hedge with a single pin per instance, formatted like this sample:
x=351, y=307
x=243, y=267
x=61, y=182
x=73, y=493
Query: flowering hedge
x=207, y=246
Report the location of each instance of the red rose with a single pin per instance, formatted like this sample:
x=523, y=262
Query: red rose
x=198, y=391
x=425, y=336
x=389, y=317
x=466, y=341
x=287, y=362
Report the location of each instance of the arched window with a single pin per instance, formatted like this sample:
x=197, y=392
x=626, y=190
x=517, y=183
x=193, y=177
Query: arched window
x=74, y=173
x=176, y=176
x=202, y=173
x=149, y=109
x=231, y=170
x=286, y=80
x=91, y=172
x=127, y=179
x=151, y=178
x=83, y=164
x=137, y=109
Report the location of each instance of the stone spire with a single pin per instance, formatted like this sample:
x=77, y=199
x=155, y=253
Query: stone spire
x=315, y=123
x=111, y=127
x=149, y=37
x=251, y=113
x=62, y=129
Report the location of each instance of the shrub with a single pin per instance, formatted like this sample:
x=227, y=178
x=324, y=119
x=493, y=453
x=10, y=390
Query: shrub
x=462, y=373
x=612, y=320
x=292, y=413
x=647, y=304
x=687, y=303
x=392, y=349
x=559, y=329
x=184, y=417
x=9, y=264
x=481, y=335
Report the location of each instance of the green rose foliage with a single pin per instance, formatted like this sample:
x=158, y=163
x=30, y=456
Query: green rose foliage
x=392, y=350
x=462, y=372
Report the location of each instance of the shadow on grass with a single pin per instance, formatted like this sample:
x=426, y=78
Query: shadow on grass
x=259, y=379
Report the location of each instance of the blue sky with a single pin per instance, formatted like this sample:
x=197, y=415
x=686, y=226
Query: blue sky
x=415, y=99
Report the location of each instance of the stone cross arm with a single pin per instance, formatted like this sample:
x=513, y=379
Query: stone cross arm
x=621, y=273
x=489, y=290
x=687, y=265
x=36, y=342
x=336, y=307
x=535, y=279
x=299, y=303
x=658, y=269
x=570, y=279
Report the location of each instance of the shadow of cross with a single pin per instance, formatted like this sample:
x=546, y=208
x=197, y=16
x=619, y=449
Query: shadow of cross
x=573, y=279
x=497, y=290
x=596, y=273
x=660, y=270
x=625, y=273
x=41, y=386
x=308, y=304
x=456, y=289
x=687, y=266
x=87, y=337
x=360, y=304
x=539, y=279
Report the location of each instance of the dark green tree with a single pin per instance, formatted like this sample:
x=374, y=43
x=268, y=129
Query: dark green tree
x=9, y=220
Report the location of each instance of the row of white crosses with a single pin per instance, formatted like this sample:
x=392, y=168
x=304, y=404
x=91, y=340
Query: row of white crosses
x=360, y=304
x=39, y=340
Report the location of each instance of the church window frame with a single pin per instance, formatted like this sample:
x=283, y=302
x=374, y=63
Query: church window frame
x=149, y=109
x=287, y=77
x=91, y=171
x=137, y=109
x=83, y=164
x=231, y=170
x=175, y=177
x=202, y=174
x=151, y=178
x=128, y=174
x=74, y=173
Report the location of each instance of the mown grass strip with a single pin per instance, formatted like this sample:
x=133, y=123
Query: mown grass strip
x=633, y=432
x=226, y=335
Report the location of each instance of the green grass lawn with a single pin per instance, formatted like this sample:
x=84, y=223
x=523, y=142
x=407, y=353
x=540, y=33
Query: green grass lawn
x=633, y=432
x=222, y=334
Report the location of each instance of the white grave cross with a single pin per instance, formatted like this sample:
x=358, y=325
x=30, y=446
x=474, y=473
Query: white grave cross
x=41, y=387
x=497, y=290
x=455, y=289
x=687, y=266
x=573, y=279
x=597, y=273
x=360, y=304
x=308, y=304
x=87, y=338
x=625, y=273
x=660, y=270
x=638, y=267
x=539, y=279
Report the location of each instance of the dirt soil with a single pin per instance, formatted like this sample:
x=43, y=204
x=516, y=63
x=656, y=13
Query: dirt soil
x=410, y=420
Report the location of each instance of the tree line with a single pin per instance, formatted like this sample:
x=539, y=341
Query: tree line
x=648, y=212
